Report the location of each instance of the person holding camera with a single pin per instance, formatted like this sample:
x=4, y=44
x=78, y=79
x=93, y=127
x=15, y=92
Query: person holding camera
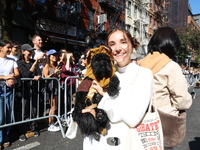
x=52, y=69
x=68, y=69
x=29, y=68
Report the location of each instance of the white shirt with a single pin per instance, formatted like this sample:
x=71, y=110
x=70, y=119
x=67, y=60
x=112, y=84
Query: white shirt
x=126, y=110
x=7, y=66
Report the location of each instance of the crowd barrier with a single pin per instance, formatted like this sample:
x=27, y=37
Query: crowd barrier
x=65, y=96
x=192, y=79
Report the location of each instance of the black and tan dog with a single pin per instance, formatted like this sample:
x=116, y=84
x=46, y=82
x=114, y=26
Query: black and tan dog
x=99, y=67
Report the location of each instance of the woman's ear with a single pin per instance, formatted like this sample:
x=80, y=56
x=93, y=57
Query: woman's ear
x=22, y=51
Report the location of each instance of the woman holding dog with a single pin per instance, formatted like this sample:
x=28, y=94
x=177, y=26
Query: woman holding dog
x=127, y=108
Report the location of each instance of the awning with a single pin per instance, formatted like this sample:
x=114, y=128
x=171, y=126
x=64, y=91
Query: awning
x=69, y=41
x=60, y=39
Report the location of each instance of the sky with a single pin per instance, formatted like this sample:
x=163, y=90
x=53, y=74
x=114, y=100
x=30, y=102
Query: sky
x=195, y=5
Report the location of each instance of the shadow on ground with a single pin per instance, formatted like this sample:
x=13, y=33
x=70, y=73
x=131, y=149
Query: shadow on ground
x=195, y=145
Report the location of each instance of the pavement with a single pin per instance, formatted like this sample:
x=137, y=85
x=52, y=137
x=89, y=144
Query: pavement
x=192, y=138
x=54, y=140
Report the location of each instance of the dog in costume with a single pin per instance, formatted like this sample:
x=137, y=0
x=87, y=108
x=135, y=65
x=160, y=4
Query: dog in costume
x=99, y=67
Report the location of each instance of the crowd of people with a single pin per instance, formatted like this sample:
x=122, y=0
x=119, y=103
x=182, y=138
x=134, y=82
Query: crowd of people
x=192, y=74
x=138, y=78
x=24, y=61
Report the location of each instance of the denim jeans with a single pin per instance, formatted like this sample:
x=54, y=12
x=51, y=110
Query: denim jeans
x=5, y=112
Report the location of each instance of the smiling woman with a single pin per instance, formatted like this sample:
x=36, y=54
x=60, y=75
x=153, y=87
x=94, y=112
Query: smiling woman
x=8, y=73
x=126, y=109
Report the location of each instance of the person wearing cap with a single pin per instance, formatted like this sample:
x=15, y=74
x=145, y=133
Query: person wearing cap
x=51, y=69
x=29, y=68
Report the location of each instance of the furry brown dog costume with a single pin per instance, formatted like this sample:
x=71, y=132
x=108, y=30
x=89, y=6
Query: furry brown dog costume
x=99, y=67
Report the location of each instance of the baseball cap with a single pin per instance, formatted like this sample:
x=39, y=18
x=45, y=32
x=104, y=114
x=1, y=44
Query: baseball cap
x=52, y=51
x=27, y=47
x=82, y=57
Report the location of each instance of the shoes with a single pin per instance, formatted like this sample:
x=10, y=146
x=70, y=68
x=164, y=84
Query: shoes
x=36, y=133
x=22, y=138
x=7, y=144
x=53, y=128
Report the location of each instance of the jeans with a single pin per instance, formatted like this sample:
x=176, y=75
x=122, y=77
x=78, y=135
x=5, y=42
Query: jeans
x=5, y=112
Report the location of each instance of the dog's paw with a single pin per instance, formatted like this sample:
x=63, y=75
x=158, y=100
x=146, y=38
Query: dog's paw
x=113, y=87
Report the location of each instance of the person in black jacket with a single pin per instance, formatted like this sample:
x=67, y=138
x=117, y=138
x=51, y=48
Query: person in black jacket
x=29, y=68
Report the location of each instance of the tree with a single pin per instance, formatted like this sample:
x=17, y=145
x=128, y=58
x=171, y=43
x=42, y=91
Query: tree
x=190, y=42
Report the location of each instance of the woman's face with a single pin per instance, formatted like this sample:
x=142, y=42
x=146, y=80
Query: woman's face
x=27, y=54
x=53, y=57
x=6, y=49
x=121, y=48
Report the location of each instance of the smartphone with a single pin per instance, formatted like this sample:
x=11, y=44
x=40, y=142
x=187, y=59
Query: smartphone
x=60, y=65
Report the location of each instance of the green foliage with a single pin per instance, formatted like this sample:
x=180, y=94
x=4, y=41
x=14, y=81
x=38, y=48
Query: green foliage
x=190, y=42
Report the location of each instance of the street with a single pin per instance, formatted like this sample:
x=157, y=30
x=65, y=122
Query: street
x=54, y=140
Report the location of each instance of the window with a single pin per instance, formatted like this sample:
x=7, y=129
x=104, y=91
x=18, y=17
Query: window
x=134, y=32
x=128, y=28
x=135, y=11
x=197, y=21
x=91, y=20
x=129, y=9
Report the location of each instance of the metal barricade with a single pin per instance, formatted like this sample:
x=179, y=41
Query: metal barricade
x=69, y=91
x=38, y=98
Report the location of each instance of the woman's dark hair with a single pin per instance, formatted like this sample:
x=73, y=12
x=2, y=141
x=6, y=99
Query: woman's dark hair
x=13, y=43
x=133, y=40
x=4, y=43
x=164, y=40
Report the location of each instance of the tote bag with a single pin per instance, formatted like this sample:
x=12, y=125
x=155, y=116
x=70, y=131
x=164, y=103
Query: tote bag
x=148, y=133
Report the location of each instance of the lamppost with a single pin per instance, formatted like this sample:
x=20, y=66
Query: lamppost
x=189, y=60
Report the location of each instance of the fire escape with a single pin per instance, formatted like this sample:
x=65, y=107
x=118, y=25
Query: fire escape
x=159, y=13
x=113, y=9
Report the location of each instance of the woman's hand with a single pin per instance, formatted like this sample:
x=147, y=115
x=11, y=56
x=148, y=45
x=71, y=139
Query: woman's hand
x=97, y=87
x=92, y=111
x=10, y=82
x=36, y=78
x=40, y=56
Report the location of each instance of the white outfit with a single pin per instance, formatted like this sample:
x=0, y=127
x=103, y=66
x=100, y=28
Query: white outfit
x=126, y=110
x=7, y=66
x=37, y=53
x=13, y=57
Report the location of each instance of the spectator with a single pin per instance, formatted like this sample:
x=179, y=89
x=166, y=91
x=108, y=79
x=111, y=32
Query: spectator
x=14, y=51
x=69, y=69
x=29, y=68
x=38, y=52
x=51, y=69
x=82, y=65
x=171, y=88
x=8, y=72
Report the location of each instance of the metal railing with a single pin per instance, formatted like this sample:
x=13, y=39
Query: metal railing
x=41, y=98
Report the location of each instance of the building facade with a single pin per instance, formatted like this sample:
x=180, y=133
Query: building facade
x=197, y=19
x=137, y=21
x=176, y=13
x=71, y=24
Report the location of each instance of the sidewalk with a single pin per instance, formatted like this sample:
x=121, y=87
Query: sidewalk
x=192, y=138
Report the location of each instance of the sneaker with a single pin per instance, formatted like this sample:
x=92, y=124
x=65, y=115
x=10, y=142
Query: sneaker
x=53, y=128
x=7, y=144
x=22, y=138
x=36, y=133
